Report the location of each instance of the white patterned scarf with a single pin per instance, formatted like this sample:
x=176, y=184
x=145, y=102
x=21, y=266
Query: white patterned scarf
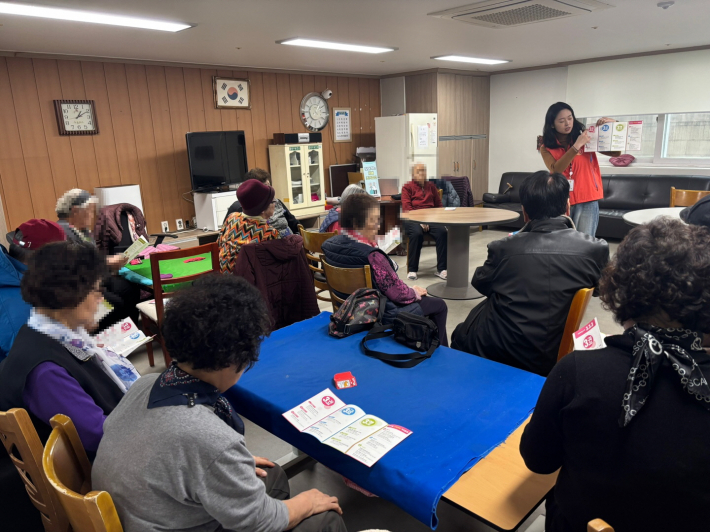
x=83, y=347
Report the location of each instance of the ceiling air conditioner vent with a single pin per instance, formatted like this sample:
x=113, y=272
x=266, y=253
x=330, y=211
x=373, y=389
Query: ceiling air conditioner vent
x=509, y=13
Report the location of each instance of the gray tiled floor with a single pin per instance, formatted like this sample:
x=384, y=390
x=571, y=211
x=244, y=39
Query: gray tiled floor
x=362, y=512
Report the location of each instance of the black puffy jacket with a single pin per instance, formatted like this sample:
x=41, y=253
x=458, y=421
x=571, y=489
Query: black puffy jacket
x=530, y=280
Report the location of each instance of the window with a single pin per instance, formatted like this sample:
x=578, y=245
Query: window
x=669, y=139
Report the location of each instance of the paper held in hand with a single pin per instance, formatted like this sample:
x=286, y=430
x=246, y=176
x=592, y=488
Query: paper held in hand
x=391, y=240
x=589, y=337
x=136, y=248
x=347, y=428
x=122, y=338
x=615, y=136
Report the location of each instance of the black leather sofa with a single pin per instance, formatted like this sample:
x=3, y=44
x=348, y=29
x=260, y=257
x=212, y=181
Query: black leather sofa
x=622, y=193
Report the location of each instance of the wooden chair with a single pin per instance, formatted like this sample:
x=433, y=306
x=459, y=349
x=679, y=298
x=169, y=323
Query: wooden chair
x=22, y=443
x=312, y=242
x=152, y=311
x=574, y=319
x=345, y=281
x=598, y=525
x=68, y=471
x=686, y=198
x=427, y=236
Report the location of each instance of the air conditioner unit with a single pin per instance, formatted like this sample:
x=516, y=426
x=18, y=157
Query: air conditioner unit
x=508, y=13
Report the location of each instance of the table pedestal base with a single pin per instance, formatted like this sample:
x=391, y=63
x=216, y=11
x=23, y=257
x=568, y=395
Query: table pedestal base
x=458, y=282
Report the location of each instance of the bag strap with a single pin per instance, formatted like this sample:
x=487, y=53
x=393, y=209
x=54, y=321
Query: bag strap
x=398, y=360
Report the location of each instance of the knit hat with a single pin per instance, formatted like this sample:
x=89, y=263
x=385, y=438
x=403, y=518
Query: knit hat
x=35, y=233
x=76, y=197
x=698, y=214
x=254, y=196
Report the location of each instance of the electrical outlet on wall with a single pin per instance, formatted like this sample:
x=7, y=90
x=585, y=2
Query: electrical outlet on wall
x=178, y=224
x=165, y=228
x=187, y=224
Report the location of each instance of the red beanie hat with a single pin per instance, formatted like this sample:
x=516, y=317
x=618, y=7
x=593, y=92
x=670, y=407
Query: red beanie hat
x=254, y=196
x=35, y=233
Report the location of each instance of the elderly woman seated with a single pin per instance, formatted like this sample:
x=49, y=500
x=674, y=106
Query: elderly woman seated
x=356, y=247
x=174, y=456
x=629, y=424
x=331, y=222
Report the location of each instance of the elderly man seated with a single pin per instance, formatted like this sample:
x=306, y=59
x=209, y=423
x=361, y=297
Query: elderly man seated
x=422, y=194
x=530, y=279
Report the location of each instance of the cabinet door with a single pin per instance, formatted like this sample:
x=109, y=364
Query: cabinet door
x=313, y=155
x=447, y=157
x=298, y=180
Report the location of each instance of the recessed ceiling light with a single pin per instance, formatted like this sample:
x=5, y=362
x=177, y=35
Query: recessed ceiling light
x=464, y=59
x=89, y=16
x=336, y=46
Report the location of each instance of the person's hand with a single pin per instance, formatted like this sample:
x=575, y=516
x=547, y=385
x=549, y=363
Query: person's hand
x=116, y=261
x=425, y=227
x=604, y=120
x=262, y=462
x=583, y=138
x=421, y=292
x=320, y=502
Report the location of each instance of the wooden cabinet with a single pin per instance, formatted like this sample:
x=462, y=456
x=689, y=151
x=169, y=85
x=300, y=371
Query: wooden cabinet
x=297, y=175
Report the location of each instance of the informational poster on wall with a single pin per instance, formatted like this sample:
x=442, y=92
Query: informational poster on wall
x=615, y=136
x=343, y=131
x=372, y=183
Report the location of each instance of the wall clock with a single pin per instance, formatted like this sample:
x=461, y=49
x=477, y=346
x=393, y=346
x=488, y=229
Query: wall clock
x=231, y=93
x=76, y=117
x=314, y=111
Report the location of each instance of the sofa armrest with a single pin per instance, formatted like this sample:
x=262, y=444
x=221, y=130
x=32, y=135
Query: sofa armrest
x=496, y=198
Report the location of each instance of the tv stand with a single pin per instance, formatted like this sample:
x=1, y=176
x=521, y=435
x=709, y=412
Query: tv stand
x=212, y=207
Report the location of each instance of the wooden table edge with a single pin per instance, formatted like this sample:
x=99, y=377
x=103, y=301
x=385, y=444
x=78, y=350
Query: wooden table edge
x=486, y=491
x=513, y=216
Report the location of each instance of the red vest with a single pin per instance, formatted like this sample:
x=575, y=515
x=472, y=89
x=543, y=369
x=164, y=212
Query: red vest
x=586, y=176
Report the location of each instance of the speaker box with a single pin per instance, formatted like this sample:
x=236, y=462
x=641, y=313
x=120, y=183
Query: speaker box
x=297, y=138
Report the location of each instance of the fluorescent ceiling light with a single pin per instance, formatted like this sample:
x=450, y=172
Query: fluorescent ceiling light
x=88, y=16
x=464, y=59
x=336, y=46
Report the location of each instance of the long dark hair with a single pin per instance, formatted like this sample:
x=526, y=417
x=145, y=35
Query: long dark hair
x=549, y=137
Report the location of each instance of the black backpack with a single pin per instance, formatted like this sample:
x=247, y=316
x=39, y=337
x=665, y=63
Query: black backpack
x=362, y=310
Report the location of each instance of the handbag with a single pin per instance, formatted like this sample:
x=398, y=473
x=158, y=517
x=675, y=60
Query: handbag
x=415, y=332
x=362, y=310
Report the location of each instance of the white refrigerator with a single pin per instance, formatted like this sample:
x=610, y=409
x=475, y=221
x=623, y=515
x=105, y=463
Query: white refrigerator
x=404, y=140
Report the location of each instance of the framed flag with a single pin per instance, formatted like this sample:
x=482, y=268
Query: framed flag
x=231, y=93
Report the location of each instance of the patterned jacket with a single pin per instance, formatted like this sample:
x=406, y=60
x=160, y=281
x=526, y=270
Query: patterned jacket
x=238, y=230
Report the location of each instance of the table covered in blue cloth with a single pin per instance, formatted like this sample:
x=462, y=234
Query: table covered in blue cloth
x=459, y=407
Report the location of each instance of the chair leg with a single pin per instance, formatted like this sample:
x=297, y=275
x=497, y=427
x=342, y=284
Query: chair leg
x=166, y=356
x=149, y=346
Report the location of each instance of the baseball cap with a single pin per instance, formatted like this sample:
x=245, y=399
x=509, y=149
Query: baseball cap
x=35, y=233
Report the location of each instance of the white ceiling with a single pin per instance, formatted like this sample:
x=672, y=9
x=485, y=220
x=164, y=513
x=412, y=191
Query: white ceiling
x=253, y=26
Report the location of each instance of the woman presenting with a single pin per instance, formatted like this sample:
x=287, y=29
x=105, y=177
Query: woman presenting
x=562, y=150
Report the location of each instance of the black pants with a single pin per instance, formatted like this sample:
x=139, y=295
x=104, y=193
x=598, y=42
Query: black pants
x=415, y=234
x=436, y=310
x=124, y=296
x=277, y=487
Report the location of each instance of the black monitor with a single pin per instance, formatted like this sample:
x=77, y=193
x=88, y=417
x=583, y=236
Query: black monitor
x=217, y=158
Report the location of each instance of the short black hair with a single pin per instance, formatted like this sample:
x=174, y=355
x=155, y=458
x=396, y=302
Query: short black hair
x=549, y=133
x=259, y=174
x=217, y=322
x=60, y=275
x=660, y=267
x=544, y=195
x=353, y=211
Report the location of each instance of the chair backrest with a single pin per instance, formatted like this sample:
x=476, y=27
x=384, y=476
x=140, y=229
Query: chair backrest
x=574, y=318
x=441, y=194
x=68, y=471
x=22, y=443
x=598, y=525
x=158, y=283
x=207, y=239
x=313, y=242
x=686, y=198
x=345, y=281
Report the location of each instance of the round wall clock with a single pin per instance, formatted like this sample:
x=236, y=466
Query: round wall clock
x=314, y=111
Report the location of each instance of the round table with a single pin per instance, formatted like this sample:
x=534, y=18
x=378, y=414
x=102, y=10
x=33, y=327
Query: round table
x=646, y=215
x=458, y=222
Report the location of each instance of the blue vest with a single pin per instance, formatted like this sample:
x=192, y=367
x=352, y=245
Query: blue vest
x=342, y=251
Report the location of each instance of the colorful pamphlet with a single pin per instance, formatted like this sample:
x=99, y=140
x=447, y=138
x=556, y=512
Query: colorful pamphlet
x=372, y=183
x=619, y=131
x=615, y=136
x=391, y=240
x=347, y=428
x=122, y=338
x=589, y=337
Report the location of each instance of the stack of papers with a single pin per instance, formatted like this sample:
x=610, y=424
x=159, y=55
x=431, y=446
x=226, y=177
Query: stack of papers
x=347, y=428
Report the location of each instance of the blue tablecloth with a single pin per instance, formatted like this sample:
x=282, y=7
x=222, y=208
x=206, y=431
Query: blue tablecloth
x=458, y=406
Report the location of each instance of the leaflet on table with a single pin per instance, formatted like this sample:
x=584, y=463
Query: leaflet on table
x=136, y=248
x=347, y=428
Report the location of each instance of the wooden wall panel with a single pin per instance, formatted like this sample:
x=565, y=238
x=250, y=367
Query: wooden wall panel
x=34, y=146
x=143, y=113
x=420, y=93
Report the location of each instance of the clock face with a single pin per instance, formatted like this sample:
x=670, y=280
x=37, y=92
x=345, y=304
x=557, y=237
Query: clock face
x=314, y=111
x=78, y=117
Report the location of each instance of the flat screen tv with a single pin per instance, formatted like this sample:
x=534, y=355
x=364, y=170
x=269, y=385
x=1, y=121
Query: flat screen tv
x=217, y=159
